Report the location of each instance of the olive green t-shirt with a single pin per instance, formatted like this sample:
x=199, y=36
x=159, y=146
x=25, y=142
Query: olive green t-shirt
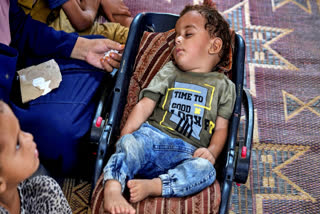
x=188, y=103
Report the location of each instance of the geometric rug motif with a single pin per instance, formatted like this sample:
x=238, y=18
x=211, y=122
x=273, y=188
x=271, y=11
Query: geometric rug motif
x=288, y=107
x=293, y=106
x=268, y=180
x=77, y=192
x=303, y=4
x=258, y=38
x=258, y=42
x=259, y=53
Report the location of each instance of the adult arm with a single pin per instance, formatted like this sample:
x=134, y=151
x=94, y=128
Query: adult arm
x=29, y=36
x=140, y=113
x=81, y=13
x=92, y=51
x=32, y=37
x=217, y=141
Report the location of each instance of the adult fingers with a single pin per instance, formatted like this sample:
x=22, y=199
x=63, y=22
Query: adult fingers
x=114, y=63
x=113, y=45
x=107, y=67
x=116, y=56
x=109, y=63
x=106, y=64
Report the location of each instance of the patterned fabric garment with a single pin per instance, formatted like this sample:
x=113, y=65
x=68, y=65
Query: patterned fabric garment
x=41, y=194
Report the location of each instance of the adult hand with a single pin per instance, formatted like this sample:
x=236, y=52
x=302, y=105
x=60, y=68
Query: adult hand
x=114, y=7
x=93, y=50
x=204, y=153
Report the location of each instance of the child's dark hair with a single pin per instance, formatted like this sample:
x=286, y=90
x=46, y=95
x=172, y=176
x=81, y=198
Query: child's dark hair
x=216, y=25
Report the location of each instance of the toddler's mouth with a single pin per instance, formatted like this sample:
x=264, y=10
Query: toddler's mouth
x=178, y=50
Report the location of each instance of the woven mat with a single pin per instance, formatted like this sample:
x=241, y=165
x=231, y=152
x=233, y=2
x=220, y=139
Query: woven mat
x=283, y=74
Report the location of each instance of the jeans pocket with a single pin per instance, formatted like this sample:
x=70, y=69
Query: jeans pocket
x=174, y=146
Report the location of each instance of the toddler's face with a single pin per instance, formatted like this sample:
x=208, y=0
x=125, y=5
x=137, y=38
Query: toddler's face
x=18, y=152
x=192, y=42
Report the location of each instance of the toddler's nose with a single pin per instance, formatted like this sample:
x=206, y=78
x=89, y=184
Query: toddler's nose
x=178, y=40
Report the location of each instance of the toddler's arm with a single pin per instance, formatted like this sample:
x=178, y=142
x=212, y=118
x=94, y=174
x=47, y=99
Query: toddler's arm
x=140, y=113
x=217, y=141
x=81, y=13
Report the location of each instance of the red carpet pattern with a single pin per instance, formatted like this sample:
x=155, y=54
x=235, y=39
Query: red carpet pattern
x=283, y=75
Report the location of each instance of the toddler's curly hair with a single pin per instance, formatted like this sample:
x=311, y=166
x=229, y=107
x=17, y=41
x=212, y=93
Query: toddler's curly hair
x=216, y=25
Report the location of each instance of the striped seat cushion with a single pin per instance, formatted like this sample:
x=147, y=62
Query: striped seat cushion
x=205, y=202
x=154, y=52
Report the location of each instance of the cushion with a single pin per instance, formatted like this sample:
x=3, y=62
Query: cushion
x=206, y=201
x=154, y=52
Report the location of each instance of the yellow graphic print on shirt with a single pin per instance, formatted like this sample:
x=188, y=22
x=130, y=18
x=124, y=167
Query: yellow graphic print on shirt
x=187, y=106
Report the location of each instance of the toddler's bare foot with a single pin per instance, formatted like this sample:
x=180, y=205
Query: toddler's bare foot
x=114, y=202
x=140, y=189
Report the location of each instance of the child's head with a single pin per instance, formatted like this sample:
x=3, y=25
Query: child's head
x=18, y=152
x=202, y=38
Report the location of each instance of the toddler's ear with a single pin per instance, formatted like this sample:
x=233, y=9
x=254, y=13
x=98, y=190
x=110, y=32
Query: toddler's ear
x=3, y=185
x=215, y=45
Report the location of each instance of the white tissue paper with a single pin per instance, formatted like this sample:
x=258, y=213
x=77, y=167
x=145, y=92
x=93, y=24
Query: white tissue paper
x=107, y=54
x=38, y=80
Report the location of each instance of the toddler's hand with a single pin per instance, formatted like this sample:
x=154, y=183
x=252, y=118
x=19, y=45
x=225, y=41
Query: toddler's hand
x=204, y=153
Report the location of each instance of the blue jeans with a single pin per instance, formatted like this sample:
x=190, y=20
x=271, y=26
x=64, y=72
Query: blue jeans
x=150, y=153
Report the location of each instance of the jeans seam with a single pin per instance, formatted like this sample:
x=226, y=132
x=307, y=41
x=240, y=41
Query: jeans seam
x=172, y=148
x=119, y=175
x=166, y=185
x=201, y=181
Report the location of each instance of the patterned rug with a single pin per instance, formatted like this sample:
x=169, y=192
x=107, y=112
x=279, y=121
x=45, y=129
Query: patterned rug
x=283, y=75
